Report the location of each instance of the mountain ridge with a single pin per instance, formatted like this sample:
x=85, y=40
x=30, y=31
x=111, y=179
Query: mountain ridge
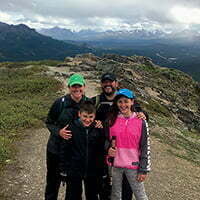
x=179, y=50
x=138, y=33
x=21, y=43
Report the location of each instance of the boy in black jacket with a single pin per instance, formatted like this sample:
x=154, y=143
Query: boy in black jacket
x=82, y=156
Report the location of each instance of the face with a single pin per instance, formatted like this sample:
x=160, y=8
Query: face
x=109, y=87
x=124, y=104
x=76, y=91
x=86, y=118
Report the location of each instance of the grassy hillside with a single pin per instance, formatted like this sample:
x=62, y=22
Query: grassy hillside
x=170, y=97
x=25, y=97
x=20, y=43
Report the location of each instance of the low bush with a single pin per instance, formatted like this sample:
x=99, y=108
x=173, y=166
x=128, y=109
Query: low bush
x=25, y=97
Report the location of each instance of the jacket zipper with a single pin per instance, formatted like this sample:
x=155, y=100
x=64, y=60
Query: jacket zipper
x=86, y=160
x=126, y=124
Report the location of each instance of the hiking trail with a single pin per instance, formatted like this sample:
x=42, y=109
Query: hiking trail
x=172, y=178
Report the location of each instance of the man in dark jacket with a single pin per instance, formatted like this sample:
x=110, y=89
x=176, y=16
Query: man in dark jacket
x=82, y=156
x=103, y=102
x=62, y=112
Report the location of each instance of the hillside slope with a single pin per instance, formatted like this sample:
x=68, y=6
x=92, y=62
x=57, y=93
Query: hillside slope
x=20, y=43
x=171, y=99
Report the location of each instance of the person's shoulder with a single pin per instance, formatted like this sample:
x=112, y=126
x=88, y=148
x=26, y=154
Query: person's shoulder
x=76, y=123
x=96, y=99
x=58, y=101
x=62, y=98
x=96, y=96
x=61, y=102
x=93, y=98
x=136, y=119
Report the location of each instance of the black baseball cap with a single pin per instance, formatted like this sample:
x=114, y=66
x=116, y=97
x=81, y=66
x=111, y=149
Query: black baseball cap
x=108, y=76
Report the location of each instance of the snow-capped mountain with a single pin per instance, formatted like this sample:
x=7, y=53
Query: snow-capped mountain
x=89, y=35
x=140, y=33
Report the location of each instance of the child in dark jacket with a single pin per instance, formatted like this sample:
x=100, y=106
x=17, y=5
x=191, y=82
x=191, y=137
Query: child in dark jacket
x=82, y=156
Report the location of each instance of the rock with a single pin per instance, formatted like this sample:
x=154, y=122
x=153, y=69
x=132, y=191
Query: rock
x=169, y=90
x=68, y=59
x=63, y=65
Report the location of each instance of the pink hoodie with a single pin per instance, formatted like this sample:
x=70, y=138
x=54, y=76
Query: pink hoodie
x=128, y=132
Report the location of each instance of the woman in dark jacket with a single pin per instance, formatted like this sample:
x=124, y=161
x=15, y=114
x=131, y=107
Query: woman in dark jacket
x=63, y=111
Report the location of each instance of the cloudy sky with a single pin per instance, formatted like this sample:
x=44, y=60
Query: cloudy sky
x=102, y=14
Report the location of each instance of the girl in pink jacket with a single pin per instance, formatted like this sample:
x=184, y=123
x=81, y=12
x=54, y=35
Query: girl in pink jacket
x=132, y=151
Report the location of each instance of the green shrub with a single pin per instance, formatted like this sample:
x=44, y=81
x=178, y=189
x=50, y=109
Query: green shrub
x=25, y=97
x=156, y=107
x=24, y=64
x=4, y=150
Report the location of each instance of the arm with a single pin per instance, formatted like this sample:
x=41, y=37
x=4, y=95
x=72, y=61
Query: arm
x=106, y=130
x=102, y=167
x=64, y=156
x=141, y=114
x=144, y=165
x=53, y=115
x=52, y=120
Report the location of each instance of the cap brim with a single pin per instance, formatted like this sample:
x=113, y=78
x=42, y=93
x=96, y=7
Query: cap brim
x=76, y=83
x=109, y=79
x=123, y=95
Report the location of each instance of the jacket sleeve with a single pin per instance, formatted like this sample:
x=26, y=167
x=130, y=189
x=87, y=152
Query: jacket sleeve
x=52, y=117
x=106, y=130
x=101, y=153
x=145, y=163
x=64, y=154
x=93, y=100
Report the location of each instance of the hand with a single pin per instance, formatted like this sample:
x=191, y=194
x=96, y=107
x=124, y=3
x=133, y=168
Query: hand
x=112, y=151
x=98, y=124
x=63, y=178
x=141, y=115
x=65, y=133
x=141, y=177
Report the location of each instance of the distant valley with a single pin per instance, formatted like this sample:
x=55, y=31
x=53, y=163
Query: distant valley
x=21, y=43
x=174, y=50
x=180, y=50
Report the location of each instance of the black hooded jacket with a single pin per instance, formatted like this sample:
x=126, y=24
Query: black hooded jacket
x=62, y=112
x=83, y=154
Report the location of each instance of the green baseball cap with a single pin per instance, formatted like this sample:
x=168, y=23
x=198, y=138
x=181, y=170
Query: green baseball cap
x=76, y=79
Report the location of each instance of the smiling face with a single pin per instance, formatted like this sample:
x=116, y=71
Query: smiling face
x=109, y=87
x=86, y=118
x=124, y=104
x=76, y=91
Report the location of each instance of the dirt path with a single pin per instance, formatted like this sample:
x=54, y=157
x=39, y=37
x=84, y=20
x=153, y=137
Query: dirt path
x=24, y=179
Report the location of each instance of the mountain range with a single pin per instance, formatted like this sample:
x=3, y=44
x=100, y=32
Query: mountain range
x=140, y=33
x=21, y=43
x=180, y=50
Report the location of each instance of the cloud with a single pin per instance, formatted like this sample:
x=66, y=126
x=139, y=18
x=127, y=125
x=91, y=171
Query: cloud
x=99, y=14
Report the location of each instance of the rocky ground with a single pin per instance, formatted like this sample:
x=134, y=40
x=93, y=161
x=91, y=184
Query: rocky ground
x=24, y=179
x=172, y=178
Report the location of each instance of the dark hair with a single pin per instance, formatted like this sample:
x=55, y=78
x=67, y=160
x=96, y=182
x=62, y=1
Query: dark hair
x=114, y=111
x=87, y=106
